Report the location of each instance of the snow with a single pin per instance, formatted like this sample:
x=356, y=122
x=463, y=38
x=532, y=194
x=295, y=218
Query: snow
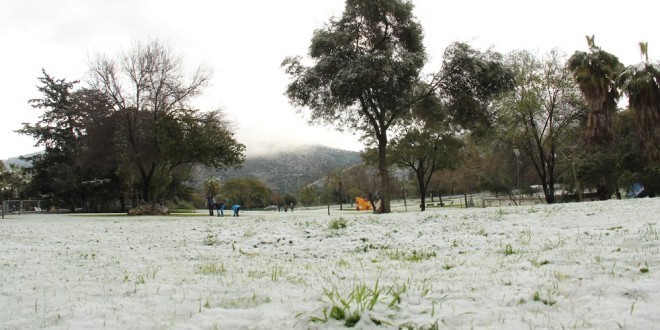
x=580, y=265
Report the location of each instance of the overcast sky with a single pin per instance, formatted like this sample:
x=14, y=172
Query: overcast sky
x=244, y=42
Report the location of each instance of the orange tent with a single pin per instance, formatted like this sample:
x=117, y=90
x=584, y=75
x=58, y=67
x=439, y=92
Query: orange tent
x=362, y=204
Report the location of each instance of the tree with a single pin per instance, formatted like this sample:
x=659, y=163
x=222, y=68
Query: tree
x=425, y=152
x=366, y=66
x=468, y=83
x=14, y=180
x=290, y=200
x=595, y=73
x=160, y=132
x=211, y=186
x=640, y=83
x=537, y=114
x=308, y=195
x=60, y=129
x=363, y=179
x=248, y=192
x=334, y=182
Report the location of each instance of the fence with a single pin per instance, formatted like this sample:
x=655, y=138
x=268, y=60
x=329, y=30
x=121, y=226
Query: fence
x=22, y=206
x=506, y=201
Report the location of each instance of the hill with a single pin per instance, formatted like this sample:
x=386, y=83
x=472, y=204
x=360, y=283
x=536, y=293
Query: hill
x=288, y=170
x=18, y=161
x=281, y=171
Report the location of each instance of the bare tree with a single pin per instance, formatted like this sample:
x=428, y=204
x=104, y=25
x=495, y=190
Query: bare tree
x=146, y=86
x=536, y=116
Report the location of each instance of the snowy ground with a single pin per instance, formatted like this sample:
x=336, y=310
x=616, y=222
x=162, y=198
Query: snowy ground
x=588, y=265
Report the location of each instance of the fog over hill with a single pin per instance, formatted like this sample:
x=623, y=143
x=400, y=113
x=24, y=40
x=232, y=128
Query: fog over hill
x=285, y=170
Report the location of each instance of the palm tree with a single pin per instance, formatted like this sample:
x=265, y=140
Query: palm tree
x=211, y=186
x=640, y=83
x=595, y=73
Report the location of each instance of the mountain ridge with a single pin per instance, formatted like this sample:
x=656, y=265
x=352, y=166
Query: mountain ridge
x=283, y=170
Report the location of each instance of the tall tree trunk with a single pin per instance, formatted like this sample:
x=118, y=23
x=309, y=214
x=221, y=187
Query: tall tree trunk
x=550, y=198
x=122, y=202
x=422, y=190
x=385, y=194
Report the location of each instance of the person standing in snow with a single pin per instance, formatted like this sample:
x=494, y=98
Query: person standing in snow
x=236, y=208
x=210, y=203
x=221, y=208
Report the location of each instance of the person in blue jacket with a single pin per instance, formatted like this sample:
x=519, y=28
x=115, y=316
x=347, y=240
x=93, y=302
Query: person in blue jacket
x=221, y=208
x=236, y=208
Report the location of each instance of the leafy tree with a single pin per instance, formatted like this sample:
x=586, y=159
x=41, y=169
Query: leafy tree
x=66, y=117
x=334, y=180
x=290, y=200
x=468, y=82
x=160, y=133
x=425, y=152
x=366, y=66
x=363, y=180
x=98, y=156
x=211, y=186
x=248, y=192
x=308, y=195
x=471, y=159
x=5, y=186
x=640, y=83
x=14, y=180
x=595, y=73
x=536, y=116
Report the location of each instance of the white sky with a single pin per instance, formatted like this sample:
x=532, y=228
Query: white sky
x=245, y=41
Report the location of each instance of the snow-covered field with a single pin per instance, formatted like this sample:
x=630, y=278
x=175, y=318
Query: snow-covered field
x=587, y=265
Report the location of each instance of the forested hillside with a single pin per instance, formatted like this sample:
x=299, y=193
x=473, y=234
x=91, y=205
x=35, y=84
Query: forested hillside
x=287, y=170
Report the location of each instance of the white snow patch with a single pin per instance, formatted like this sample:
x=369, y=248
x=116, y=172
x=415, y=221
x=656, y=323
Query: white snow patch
x=586, y=265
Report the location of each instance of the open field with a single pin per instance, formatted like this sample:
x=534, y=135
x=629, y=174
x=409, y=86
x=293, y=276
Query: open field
x=588, y=265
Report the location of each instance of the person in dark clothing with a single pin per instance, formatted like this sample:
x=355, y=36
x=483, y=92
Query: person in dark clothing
x=210, y=203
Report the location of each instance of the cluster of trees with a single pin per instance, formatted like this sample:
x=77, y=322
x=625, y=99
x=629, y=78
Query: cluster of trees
x=559, y=114
x=131, y=134
x=14, y=180
x=248, y=192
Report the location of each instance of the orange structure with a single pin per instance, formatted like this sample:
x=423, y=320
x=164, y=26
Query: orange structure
x=362, y=204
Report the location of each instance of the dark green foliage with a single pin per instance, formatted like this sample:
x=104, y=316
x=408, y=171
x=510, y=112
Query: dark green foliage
x=68, y=118
x=308, y=195
x=290, y=200
x=595, y=73
x=641, y=83
x=248, y=193
x=470, y=80
x=14, y=180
